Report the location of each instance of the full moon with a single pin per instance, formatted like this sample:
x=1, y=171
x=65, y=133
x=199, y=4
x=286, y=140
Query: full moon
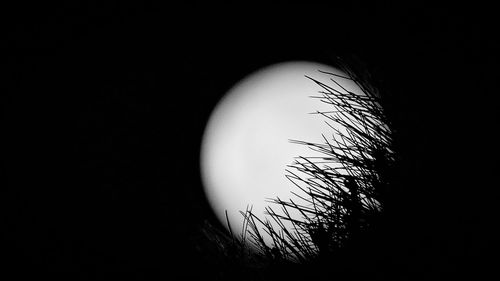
x=245, y=148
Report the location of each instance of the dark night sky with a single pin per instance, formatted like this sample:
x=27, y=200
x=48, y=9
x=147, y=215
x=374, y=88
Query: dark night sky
x=104, y=108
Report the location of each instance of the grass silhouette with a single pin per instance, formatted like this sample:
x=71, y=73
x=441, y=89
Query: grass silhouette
x=340, y=195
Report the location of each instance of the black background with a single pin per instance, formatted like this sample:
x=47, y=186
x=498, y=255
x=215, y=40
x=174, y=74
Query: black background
x=104, y=105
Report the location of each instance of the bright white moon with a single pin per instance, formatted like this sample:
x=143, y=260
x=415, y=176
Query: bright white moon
x=246, y=148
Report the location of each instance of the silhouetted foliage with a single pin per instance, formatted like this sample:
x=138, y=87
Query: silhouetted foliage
x=342, y=192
